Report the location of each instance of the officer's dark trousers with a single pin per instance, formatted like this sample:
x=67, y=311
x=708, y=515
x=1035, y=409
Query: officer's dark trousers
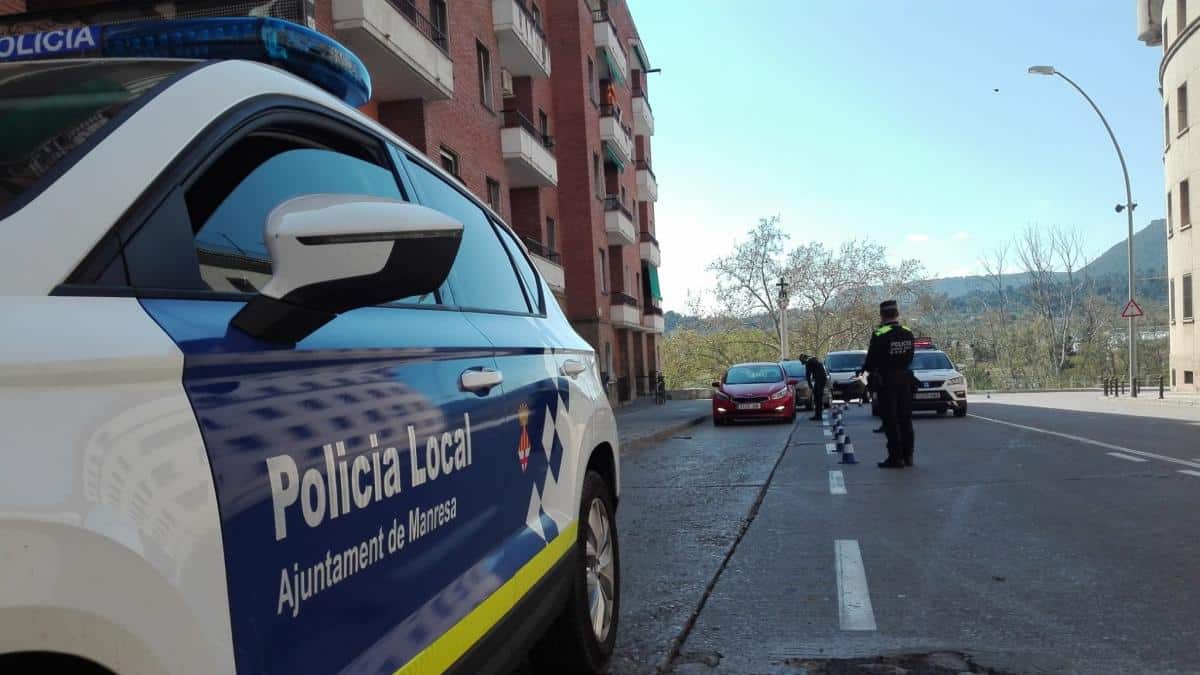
x=895, y=409
x=818, y=394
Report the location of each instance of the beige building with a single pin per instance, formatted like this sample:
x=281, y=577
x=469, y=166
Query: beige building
x=1173, y=25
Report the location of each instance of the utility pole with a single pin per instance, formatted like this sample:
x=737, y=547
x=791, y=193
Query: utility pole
x=783, y=327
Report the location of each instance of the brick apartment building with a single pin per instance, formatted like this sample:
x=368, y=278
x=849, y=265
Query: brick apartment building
x=540, y=107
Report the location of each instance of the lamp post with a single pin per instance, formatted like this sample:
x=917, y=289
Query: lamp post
x=1127, y=208
x=783, y=327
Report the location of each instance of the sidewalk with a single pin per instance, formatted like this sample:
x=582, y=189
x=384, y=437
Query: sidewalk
x=644, y=423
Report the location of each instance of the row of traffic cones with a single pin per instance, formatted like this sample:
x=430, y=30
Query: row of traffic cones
x=842, y=441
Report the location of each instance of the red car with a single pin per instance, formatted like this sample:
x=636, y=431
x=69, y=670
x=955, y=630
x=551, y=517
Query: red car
x=750, y=391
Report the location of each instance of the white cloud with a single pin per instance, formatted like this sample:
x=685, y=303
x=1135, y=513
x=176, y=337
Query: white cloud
x=917, y=237
x=960, y=236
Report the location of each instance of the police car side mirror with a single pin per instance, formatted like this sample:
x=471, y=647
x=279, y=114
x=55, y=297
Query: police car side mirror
x=333, y=253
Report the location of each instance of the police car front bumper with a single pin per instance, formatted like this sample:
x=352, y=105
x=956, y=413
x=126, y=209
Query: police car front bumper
x=848, y=390
x=940, y=399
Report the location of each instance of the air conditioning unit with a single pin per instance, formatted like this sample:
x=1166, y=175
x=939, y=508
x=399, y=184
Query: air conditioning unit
x=506, y=85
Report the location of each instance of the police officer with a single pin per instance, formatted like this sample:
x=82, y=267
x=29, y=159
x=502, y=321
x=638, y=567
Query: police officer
x=814, y=372
x=889, y=358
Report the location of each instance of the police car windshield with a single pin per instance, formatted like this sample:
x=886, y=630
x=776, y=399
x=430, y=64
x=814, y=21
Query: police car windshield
x=931, y=361
x=753, y=375
x=49, y=109
x=841, y=363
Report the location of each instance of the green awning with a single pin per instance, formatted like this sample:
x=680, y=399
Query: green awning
x=611, y=157
x=613, y=71
x=652, y=276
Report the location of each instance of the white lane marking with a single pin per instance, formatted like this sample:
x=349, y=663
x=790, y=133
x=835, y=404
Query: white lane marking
x=831, y=448
x=854, y=598
x=837, y=483
x=1190, y=472
x=824, y=422
x=1099, y=444
x=1130, y=458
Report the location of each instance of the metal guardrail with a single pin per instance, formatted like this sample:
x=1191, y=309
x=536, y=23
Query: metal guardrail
x=422, y=23
x=613, y=203
x=515, y=118
x=538, y=248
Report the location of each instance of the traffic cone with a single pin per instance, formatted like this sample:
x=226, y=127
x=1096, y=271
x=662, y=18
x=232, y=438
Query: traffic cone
x=848, y=452
x=839, y=446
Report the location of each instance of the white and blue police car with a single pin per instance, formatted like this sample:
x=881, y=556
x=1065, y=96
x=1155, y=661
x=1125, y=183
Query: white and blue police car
x=277, y=395
x=939, y=386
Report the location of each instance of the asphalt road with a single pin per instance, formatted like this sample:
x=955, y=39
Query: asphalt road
x=1021, y=550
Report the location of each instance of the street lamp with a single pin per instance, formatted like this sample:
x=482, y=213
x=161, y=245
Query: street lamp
x=1127, y=207
x=783, y=329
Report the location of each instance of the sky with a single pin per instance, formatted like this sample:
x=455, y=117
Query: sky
x=881, y=120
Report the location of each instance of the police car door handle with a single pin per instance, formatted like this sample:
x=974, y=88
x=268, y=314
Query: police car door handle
x=572, y=368
x=480, y=380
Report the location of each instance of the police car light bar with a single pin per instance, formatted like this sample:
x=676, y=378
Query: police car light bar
x=302, y=52
x=923, y=343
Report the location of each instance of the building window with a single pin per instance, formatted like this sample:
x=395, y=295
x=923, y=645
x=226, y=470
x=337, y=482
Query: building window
x=551, y=235
x=623, y=195
x=1180, y=16
x=1167, y=125
x=1185, y=206
x=1188, y=377
x=1172, y=377
x=1170, y=218
x=597, y=176
x=449, y=160
x=592, y=82
x=603, y=270
x=543, y=123
x=1181, y=115
x=441, y=27
x=536, y=13
x=1187, y=298
x=493, y=194
x=484, y=59
x=1171, y=311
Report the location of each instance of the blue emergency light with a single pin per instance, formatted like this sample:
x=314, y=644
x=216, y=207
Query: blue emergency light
x=302, y=52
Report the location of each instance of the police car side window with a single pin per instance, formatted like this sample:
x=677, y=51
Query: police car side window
x=229, y=224
x=482, y=277
x=524, y=268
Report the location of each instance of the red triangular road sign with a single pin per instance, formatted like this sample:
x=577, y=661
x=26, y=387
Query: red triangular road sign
x=1132, y=309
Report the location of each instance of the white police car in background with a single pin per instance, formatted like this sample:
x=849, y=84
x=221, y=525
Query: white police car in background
x=940, y=386
x=277, y=395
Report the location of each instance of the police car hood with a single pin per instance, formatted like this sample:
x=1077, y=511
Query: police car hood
x=842, y=376
x=928, y=375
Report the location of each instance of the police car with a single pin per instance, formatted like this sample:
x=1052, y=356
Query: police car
x=277, y=394
x=940, y=386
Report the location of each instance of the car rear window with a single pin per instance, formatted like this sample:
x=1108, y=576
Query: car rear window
x=49, y=109
x=754, y=374
x=840, y=363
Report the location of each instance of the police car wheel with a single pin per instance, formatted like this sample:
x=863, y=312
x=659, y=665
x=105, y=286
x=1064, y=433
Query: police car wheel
x=583, y=636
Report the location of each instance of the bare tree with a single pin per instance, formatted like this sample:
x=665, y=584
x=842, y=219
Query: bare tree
x=1052, y=263
x=746, y=277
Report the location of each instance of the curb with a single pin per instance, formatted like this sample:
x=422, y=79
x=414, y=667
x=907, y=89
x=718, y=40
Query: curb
x=639, y=442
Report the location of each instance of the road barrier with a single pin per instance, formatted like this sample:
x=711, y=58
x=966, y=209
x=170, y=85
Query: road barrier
x=848, y=452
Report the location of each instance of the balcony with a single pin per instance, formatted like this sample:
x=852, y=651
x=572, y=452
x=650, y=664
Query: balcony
x=609, y=45
x=618, y=136
x=523, y=49
x=652, y=319
x=643, y=114
x=649, y=250
x=548, y=262
x=646, y=182
x=618, y=223
x=406, y=54
x=527, y=152
x=624, y=312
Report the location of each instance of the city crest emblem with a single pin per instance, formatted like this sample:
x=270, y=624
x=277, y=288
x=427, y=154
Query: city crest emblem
x=523, y=446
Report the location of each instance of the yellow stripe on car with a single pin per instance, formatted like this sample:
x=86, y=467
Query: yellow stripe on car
x=454, y=643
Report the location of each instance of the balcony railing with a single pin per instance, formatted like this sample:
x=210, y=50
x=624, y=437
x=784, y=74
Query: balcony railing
x=651, y=309
x=613, y=203
x=643, y=165
x=538, y=248
x=619, y=298
x=537, y=27
x=610, y=110
x=638, y=92
x=515, y=118
x=648, y=238
x=426, y=27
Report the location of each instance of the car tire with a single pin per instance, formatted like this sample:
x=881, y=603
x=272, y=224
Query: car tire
x=961, y=411
x=572, y=645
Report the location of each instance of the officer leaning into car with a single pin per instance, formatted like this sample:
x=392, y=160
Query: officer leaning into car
x=814, y=372
x=889, y=358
